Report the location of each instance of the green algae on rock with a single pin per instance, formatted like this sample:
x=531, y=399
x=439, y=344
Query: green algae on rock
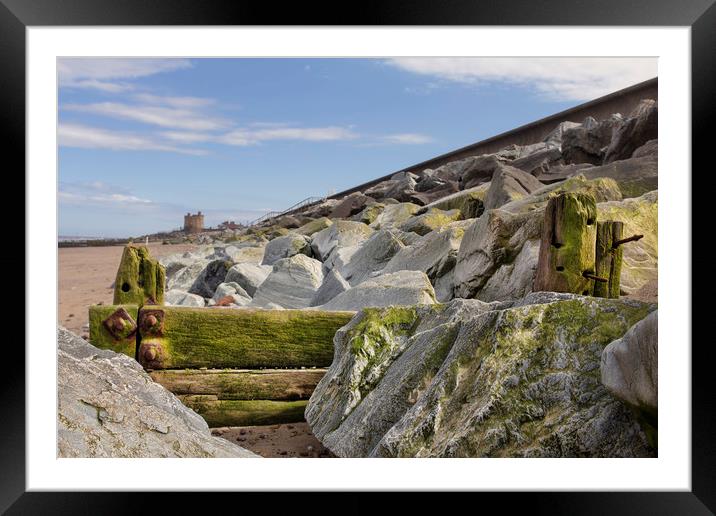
x=472, y=379
x=218, y=412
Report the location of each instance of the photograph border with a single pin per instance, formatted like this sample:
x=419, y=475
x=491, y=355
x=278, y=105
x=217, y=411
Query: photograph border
x=700, y=15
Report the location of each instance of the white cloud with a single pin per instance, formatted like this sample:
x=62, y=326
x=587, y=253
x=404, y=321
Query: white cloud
x=557, y=78
x=98, y=192
x=162, y=116
x=244, y=137
x=85, y=137
x=111, y=74
x=178, y=102
x=408, y=138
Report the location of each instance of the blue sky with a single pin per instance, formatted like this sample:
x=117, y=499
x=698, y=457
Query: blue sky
x=143, y=141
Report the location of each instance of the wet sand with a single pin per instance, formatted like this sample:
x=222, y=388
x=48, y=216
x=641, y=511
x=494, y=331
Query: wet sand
x=275, y=441
x=86, y=275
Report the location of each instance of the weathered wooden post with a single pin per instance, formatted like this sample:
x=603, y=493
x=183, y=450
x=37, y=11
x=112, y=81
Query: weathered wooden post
x=140, y=278
x=567, y=250
x=608, y=258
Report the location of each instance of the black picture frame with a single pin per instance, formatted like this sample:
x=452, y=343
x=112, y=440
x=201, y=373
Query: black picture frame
x=700, y=15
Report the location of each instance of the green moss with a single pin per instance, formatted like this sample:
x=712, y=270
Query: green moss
x=374, y=342
x=248, y=338
x=370, y=213
x=140, y=278
x=101, y=338
x=314, y=226
x=245, y=413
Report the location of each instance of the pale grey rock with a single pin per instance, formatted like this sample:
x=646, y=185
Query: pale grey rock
x=509, y=184
x=285, y=247
x=233, y=289
x=472, y=379
x=371, y=256
x=479, y=170
x=430, y=220
x=435, y=254
x=342, y=233
x=176, y=297
x=333, y=284
x=470, y=202
x=109, y=407
x=629, y=366
x=539, y=162
x=248, y=275
x=291, y=284
x=184, y=278
x=396, y=289
x=246, y=254
x=495, y=240
x=393, y=215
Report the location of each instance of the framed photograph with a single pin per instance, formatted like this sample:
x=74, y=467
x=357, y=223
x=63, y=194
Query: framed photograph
x=429, y=233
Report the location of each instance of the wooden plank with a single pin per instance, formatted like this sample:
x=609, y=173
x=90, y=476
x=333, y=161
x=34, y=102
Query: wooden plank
x=241, y=384
x=140, y=278
x=183, y=337
x=567, y=247
x=218, y=412
x=122, y=339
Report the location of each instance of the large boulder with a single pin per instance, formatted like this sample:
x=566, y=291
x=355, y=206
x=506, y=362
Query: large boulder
x=350, y=205
x=640, y=260
x=393, y=215
x=494, y=245
x=602, y=189
x=588, y=142
x=435, y=254
x=431, y=220
x=291, y=284
x=554, y=138
x=471, y=379
x=107, y=406
x=176, y=297
x=185, y=277
x=539, y=162
x=634, y=176
x=285, y=247
x=248, y=275
x=369, y=257
x=641, y=126
x=470, y=202
x=557, y=173
x=397, y=289
x=314, y=226
x=479, y=169
x=319, y=209
x=210, y=277
x=509, y=184
x=333, y=284
x=342, y=233
x=629, y=367
x=233, y=292
x=402, y=188
x=245, y=253
x=369, y=213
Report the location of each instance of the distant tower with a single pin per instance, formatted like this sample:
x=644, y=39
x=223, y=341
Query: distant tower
x=193, y=223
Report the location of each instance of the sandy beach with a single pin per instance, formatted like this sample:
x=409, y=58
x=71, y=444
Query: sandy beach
x=85, y=277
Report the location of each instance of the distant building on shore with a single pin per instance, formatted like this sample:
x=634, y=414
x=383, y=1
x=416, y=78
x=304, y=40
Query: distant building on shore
x=229, y=224
x=194, y=223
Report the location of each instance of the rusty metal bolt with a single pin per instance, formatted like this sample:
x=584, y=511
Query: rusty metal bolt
x=150, y=321
x=150, y=354
x=119, y=324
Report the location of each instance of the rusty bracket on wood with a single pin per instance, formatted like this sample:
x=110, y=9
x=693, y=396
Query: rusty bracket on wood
x=595, y=278
x=120, y=324
x=151, y=354
x=151, y=322
x=632, y=238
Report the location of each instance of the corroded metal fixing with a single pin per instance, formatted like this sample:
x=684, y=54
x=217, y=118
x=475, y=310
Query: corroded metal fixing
x=120, y=324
